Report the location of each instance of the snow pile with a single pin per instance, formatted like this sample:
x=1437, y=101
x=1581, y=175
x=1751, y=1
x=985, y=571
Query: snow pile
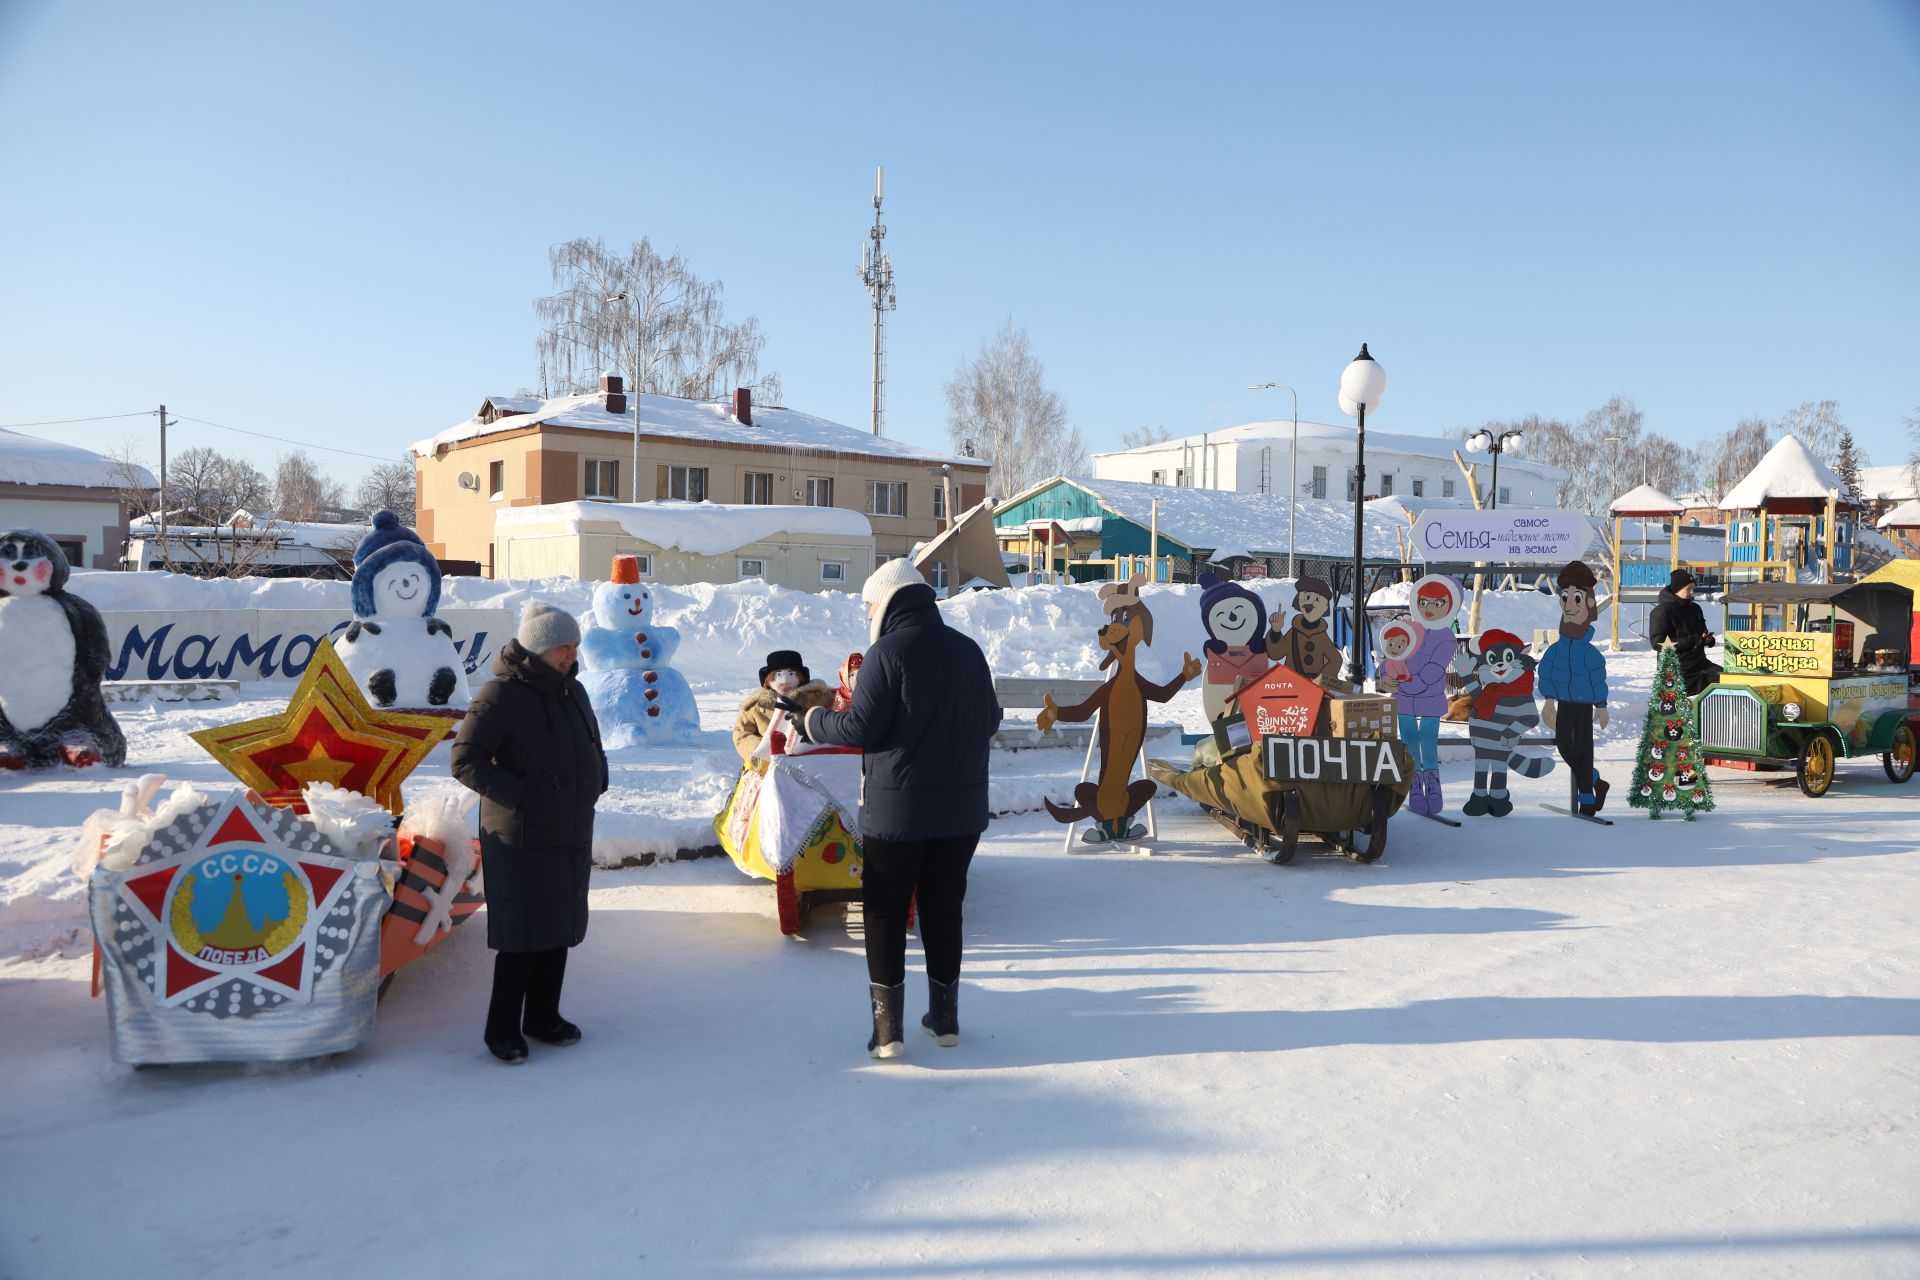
x=1895, y=483
x=1646, y=500
x=699, y=528
x=708, y=421
x=31, y=460
x=1789, y=470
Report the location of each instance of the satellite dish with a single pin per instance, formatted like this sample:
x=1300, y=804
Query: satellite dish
x=469, y=481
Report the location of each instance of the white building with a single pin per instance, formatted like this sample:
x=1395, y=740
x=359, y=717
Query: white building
x=1256, y=457
x=76, y=497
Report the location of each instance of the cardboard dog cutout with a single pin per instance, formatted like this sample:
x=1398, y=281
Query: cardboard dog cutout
x=1112, y=799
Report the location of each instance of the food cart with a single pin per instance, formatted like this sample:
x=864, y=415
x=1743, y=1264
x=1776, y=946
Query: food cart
x=1814, y=673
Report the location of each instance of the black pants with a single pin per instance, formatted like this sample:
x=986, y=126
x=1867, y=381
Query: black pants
x=526, y=992
x=1699, y=674
x=895, y=872
x=1573, y=735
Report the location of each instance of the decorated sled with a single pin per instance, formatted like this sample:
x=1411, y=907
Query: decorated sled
x=797, y=825
x=1277, y=768
x=260, y=925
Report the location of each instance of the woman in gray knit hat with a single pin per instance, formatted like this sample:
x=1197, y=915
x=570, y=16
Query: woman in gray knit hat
x=531, y=747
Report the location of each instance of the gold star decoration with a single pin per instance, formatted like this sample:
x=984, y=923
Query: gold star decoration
x=328, y=733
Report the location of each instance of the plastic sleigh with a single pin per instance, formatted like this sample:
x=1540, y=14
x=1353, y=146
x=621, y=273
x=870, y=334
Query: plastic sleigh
x=791, y=825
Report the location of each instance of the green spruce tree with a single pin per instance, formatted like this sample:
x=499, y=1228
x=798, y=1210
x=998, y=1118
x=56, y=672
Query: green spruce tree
x=1670, y=771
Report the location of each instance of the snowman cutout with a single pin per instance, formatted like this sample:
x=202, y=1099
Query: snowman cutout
x=1235, y=620
x=624, y=656
x=397, y=651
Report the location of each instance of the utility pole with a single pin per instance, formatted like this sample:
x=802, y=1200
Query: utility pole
x=876, y=272
x=166, y=554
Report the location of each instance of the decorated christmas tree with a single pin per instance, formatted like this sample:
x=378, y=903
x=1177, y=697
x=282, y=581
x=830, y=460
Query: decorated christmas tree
x=1670, y=772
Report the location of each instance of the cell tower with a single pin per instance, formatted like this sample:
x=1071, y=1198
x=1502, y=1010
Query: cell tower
x=876, y=272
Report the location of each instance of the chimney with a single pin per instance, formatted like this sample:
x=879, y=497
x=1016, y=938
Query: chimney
x=743, y=406
x=611, y=387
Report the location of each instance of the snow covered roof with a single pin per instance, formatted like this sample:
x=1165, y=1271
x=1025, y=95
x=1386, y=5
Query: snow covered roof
x=698, y=528
x=1888, y=484
x=31, y=460
x=1788, y=471
x=1904, y=516
x=1406, y=508
x=671, y=418
x=1281, y=431
x=1647, y=500
x=1228, y=524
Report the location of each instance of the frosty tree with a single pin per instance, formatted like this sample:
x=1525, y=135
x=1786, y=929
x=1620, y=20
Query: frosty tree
x=1670, y=772
x=301, y=491
x=388, y=486
x=998, y=401
x=668, y=333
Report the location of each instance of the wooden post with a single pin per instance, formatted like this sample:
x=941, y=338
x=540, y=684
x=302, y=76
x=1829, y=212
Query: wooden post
x=1619, y=583
x=1153, y=544
x=1833, y=531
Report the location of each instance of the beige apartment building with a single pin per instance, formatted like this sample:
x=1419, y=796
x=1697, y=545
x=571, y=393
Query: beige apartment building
x=521, y=451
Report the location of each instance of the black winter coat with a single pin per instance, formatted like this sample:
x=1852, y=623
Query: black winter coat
x=1684, y=623
x=924, y=713
x=531, y=747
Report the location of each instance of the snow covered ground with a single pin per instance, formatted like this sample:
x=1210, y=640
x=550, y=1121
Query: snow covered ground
x=1532, y=1046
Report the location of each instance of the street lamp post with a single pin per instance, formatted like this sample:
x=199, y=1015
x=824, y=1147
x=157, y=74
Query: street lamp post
x=633, y=390
x=1485, y=440
x=1293, y=465
x=1362, y=383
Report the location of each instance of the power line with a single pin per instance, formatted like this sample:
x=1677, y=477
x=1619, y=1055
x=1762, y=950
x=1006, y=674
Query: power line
x=61, y=422
x=261, y=435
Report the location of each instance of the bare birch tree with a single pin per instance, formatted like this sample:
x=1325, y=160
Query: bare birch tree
x=1141, y=437
x=999, y=407
x=648, y=317
x=1818, y=425
x=300, y=491
x=1913, y=448
x=389, y=486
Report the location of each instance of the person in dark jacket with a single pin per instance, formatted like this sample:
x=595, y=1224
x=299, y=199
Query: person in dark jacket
x=924, y=714
x=531, y=747
x=1677, y=618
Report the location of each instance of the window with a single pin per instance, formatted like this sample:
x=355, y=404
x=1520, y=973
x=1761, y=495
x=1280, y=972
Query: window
x=1159, y=477
x=940, y=575
x=1446, y=488
x=753, y=568
x=1506, y=495
x=1386, y=484
x=1353, y=483
x=756, y=488
x=603, y=479
x=940, y=502
x=686, y=483
x=833, y=570
x=819, y=491
x=1319, y=482
x=497, y=479
x=646, y=565
x=74, y=550
x=1180, y=477
x=887, y=497
x=1419, y=488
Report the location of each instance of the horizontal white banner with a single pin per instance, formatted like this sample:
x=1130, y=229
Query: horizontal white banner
x=1526, y=537
x=264, y=644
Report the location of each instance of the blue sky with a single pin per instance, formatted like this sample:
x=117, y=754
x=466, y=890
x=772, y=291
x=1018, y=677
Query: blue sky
x=329, y=221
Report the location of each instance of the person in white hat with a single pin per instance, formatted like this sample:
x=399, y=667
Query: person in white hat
x=923, y=795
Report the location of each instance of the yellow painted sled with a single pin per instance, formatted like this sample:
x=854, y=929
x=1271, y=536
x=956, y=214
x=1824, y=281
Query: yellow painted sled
x=791, y=825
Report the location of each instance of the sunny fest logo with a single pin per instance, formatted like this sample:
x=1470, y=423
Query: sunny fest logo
x=241, y=903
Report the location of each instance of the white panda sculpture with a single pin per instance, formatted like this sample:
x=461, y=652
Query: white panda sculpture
x=400, y=655
x=53, y=653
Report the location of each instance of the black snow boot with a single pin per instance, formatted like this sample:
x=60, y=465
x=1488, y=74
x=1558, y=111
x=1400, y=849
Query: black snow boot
x=942, y=1020
x=542, y=1020
x=886, y=1042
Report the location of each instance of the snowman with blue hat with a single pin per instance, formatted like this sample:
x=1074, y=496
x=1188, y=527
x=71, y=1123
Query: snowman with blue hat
x=399, y=654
